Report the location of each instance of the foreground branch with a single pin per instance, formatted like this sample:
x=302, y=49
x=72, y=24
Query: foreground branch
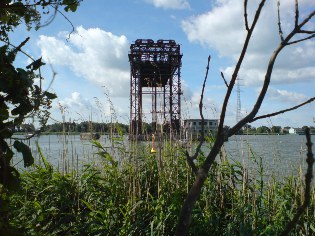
x=222, y=134
x=282, y=111
x=190, y=159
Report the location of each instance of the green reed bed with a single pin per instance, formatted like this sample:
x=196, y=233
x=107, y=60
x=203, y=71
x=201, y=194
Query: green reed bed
x=142, y=194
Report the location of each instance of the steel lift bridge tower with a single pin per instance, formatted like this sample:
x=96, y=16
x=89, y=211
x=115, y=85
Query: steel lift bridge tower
x=155, y=72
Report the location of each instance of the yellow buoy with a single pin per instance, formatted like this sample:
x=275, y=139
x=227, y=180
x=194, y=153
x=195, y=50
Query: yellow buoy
x=153, y=149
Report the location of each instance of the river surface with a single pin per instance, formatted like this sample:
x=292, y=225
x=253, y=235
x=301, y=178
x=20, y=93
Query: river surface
x=279, y=154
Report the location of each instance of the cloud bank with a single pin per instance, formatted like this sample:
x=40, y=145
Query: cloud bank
x=94, y=54
x=170, y=4
x=223, y=29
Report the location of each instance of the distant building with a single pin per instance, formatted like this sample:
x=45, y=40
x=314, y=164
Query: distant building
x=296, y=131
x=192, y=127
x=285, y=130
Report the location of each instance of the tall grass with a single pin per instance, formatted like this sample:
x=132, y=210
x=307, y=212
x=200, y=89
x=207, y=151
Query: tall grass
x=142, y=194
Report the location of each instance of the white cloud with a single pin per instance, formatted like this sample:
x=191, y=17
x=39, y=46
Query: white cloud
x=79, y=108
x=190, y=107
x=223, y=29
x=94, y=54
x=170, y=4
x=215, y=28
x=76, y=101
x=286, y=96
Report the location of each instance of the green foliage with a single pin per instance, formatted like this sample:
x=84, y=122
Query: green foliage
x=263, y=130
x=142, y=194
x=13, y=13
x=20, y=96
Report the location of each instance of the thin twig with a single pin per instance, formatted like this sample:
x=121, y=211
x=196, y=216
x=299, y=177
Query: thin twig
x=52, y=18
x=222, y=75
x=251, y=115
x=245, y=15
x=191, y=159
x=296, y=13
x=307, y=19
x=282, y=111
x=221, y=132
x=191, y=162
x=307, y=32
x=18, y=48
x=300, y=40
x=69, y=22
x=308, y=181
x=279, y=22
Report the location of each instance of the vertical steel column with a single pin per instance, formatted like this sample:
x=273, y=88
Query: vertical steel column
x=155, y=70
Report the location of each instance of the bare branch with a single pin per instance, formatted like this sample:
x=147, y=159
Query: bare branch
x=52, y=17
x=68, y=21
x=191, y=163
x=195, y=190
x=279, y=22
x=18, y=48
x=308, y=181
x=307, y=32
x=252, y=114
x=296, y=13
x=307, y=19
x=222, y=75
x=203, y=90
x=300, y=40
x=282, y=111
x=221, y=132
x=190, y=159
x=245, y=15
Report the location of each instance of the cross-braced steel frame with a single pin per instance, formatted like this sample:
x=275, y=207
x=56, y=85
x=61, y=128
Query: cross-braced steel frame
x=155, y=70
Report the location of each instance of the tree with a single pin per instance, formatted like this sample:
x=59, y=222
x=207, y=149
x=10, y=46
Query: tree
x=276, y=129
x=263, y=130
x=20, y=96
x=222, y=135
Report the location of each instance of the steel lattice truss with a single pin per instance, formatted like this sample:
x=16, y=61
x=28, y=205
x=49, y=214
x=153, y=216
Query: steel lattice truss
x=155, y=70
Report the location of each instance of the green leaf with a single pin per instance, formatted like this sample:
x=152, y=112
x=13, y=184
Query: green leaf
x=71, y=5
x=50, y=95
x=26, y=152
x=72, y=8
x=13, y=179
x=46, y=164
x=19, y=8
x=5, y=132
x=89, y=205
x=35, y=64
x=4, y=113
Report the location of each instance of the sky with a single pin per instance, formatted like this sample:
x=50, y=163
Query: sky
x=93, y=71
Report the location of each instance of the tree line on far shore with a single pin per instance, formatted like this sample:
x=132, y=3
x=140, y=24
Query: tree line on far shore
x=73, y=127
x=86, y=126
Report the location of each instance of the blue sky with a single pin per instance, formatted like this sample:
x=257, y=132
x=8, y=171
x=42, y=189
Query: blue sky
x=92, y=66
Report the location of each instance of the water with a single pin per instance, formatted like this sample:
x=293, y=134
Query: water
x=279, y=153
x=66, y=152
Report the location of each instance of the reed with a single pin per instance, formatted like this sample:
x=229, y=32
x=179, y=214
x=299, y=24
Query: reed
x=142, y=194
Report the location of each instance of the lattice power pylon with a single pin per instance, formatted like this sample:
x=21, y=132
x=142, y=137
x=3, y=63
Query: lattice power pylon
x=155, y=72
x=238, y=105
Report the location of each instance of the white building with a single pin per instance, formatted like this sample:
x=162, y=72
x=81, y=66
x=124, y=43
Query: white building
x=296, y=131
x=192, y=127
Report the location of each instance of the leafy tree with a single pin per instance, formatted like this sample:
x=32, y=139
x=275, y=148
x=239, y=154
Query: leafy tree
x=20, y=96
x=263, y=130
x=276, y=129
